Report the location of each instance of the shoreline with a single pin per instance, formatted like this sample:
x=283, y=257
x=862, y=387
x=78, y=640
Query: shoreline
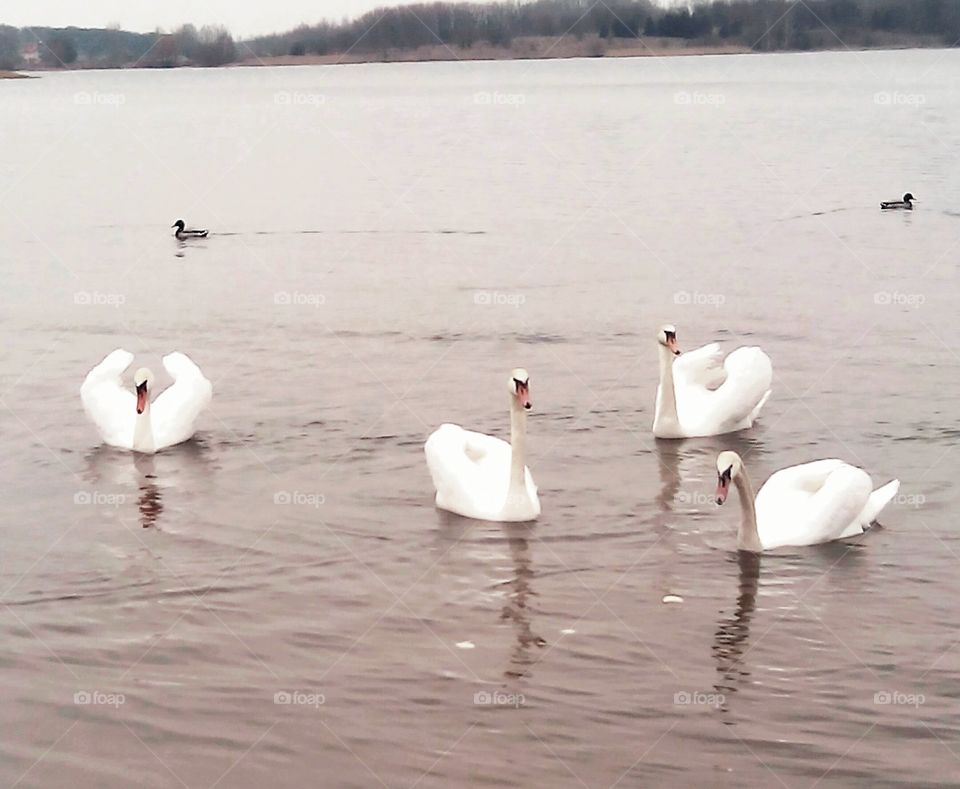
x=526, y=48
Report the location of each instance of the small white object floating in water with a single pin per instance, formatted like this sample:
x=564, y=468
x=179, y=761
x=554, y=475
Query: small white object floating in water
x=672, y=598
x=465, y=645
x=567, y=631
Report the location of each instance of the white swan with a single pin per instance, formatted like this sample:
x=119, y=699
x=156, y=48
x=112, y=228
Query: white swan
x=130, y=421
x=483, y=477
x=802, y=505
x=703, y=394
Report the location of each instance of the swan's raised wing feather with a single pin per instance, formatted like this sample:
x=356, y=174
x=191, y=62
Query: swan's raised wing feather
x=734, y=403
x=749, y=374
x=703, y=367
x=111, y=407
x=176, y=409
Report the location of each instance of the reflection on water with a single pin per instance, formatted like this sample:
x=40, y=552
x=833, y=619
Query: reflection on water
x=516, y=607
x=150, y=502
x=668, y=457
x=731, y=638
x=184, y=467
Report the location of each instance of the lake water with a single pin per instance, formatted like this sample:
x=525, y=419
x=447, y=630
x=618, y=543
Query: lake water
x=387, y=242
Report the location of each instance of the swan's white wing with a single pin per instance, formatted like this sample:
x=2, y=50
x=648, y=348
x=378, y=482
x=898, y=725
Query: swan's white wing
x=703, y=367
x=173, y=413
x=749, y=376
x=471, y=474
x=812, y=503
x=462, y=464
x=111, y=407
x=734, y=403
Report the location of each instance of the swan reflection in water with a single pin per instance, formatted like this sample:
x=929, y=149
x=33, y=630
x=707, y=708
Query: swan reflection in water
x=730, y=641
x=127, y=470
x=516, y=609
x=455, y=531
x=150, y=501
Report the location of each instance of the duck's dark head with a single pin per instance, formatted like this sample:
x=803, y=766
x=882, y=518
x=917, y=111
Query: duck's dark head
x=179, y=225
x=908, y=198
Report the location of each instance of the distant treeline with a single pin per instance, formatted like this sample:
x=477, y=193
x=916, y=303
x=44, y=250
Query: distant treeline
x=114, y=48
x=763, y=25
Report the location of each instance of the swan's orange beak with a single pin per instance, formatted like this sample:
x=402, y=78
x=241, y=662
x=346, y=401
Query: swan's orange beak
x=141, y=397
x=672, y=346
x=523, y=395
x=723, y=487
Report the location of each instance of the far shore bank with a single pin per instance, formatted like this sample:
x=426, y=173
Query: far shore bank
x=548, y=48
x=528, y=48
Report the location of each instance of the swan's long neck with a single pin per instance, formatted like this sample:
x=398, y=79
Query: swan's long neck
x=748, y=539
x=143, y=431
x=666, y=413
x=518, y=447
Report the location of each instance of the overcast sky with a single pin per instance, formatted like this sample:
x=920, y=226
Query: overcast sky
x=243, y=17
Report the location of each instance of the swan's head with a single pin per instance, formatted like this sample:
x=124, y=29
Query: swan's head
x=907, y=198
x=143, y=380
x=179, y=225
x=729, y=465
x=667, y=337
x=520, y=387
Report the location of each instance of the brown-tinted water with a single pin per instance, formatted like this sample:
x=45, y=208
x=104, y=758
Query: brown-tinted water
x=387, y=243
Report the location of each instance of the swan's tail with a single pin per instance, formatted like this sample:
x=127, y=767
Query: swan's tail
x=755, y=413
x=877, y=501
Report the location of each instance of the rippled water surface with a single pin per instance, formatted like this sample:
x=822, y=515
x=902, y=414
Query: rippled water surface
x=388, y=241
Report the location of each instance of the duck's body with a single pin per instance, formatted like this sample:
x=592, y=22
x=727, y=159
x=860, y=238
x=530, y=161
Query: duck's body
x=899, y=205
x=701, y=393
x=483, y=477
x=808, y=504
x=129, y=420
x=183, y=232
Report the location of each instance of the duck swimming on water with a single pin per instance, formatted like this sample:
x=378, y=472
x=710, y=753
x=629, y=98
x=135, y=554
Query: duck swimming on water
x=183, y=232
x=906, y=204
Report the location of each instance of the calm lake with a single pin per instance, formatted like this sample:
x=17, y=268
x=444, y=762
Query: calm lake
x=279, y=603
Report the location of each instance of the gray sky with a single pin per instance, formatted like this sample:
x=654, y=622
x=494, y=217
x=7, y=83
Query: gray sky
x=243, y=17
